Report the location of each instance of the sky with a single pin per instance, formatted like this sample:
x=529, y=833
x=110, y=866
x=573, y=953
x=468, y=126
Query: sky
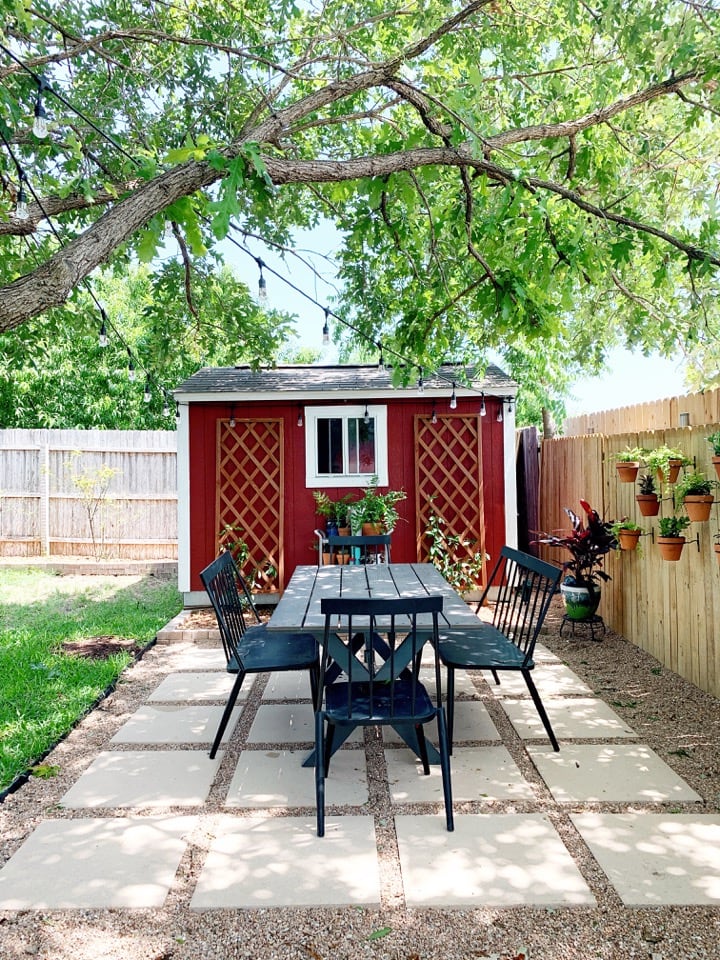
x=629, y=379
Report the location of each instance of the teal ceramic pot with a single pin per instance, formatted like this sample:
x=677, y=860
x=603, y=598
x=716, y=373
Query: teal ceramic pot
x=581, y=603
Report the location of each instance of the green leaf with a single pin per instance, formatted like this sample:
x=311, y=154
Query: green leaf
x=380, y=933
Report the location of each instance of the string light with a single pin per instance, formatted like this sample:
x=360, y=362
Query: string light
x=300, y=415
x=147, y=395
x=262, y=283
x=483, y=410
x=381, y=359
x=131, y=367
x=366, y=417
x=40, y=128
x=232, y=421
x=421, y=383
x=453, y=398
x=21, y=211
x=499, y=416
x=166, y=406
x=433, y=419
x=326, y=329
x=103, y=337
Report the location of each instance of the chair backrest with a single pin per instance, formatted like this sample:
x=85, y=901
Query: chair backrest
x=359, y=549
x=387, y=637
x=525, y=587
x=231, y=600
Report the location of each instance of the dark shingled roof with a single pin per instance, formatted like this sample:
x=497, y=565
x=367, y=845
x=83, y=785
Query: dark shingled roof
x=314, y=380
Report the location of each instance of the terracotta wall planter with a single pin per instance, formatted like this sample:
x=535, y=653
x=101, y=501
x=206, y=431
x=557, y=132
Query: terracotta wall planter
x=673, y=472
x=629, y=539
x=627, y=470
x=716, y=464
x=670, y=547
x=648, y=504
x=697, y=506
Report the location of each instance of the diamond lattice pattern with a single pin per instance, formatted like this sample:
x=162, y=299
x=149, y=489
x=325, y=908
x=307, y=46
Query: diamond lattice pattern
x=449, y=478
x=250, y=496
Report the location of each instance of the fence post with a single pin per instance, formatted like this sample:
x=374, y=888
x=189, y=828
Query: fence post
x=45, y=501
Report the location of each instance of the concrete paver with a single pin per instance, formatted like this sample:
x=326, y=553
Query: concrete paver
x=144, y=778
x=281, y=862
x=160, y=723
x=572, y=718
x=489, y=860
x=655, y=859
x=95, y=863
x=478, y=773
x=619, y=772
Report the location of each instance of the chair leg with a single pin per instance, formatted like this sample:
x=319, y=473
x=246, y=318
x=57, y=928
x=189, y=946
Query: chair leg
x=540, y=709
x=320, y=773
x=314, y=683
x=444, y=749
x=227, y=711
x=329, y=740
x=495, y=674
x=422, y=748
x=450, y=705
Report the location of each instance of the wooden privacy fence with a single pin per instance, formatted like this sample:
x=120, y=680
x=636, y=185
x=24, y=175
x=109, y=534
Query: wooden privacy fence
x=670, y=609
x=692, y=410
x=101, y=493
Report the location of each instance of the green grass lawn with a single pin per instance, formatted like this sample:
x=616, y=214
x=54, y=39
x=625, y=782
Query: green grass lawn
x=44, y=690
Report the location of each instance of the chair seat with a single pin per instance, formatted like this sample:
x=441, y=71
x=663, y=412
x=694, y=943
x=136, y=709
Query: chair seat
x=392, y=702
x=262, y=651
x=484, y=648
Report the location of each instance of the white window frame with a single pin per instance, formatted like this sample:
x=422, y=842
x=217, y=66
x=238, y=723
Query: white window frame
x=345, y=412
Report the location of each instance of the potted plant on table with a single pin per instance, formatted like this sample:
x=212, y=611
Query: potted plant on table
x=587, y=543
x=714, y=441
x=627, y=463
x=647, y=500
x=627, y=532
x=671, y=540
x=334, y=511
x=376, y=512
x=694, y=492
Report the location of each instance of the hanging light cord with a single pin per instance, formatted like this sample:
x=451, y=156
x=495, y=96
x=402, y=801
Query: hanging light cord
x=44, y=85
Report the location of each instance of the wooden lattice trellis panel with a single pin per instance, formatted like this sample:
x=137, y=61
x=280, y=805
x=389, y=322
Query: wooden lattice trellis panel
x=249, y=486
x=448, y=479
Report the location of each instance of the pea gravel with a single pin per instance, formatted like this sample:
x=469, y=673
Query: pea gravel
x=678, y=721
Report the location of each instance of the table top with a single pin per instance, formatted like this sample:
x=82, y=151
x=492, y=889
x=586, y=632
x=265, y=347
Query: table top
x=299, y=608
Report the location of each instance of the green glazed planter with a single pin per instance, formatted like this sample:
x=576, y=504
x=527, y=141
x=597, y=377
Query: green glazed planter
x=581, y=603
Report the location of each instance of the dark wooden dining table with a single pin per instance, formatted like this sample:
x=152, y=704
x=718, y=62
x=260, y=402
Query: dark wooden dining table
x=299, y=608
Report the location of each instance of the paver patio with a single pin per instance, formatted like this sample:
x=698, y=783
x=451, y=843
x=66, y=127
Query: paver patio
x=129, y=834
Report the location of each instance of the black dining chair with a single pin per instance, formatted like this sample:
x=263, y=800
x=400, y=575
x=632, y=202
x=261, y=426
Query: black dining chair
x=251, y=648
x=380, y=689
x=525, y=587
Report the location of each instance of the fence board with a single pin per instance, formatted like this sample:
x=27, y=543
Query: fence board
x=672, y=610
x=702, y=408
x=42, y=510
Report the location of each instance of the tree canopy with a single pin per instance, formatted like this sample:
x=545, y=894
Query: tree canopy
x=536, y=179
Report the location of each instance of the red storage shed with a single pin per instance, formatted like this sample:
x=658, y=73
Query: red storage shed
x=253, y=445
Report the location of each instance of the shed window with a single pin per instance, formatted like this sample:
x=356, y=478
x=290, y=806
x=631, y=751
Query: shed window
x=345, y=446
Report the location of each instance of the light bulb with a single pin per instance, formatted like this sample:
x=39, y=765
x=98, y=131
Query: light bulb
x=147, y=395
x=131, y=371
x=166, y=409
x=103, y=338
x=40, y=128
x=453, y=399
x=366, y=416
x=21, y=211
x=433, y=419
x=499, y=416
x=262, y=288
x=483, y=411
